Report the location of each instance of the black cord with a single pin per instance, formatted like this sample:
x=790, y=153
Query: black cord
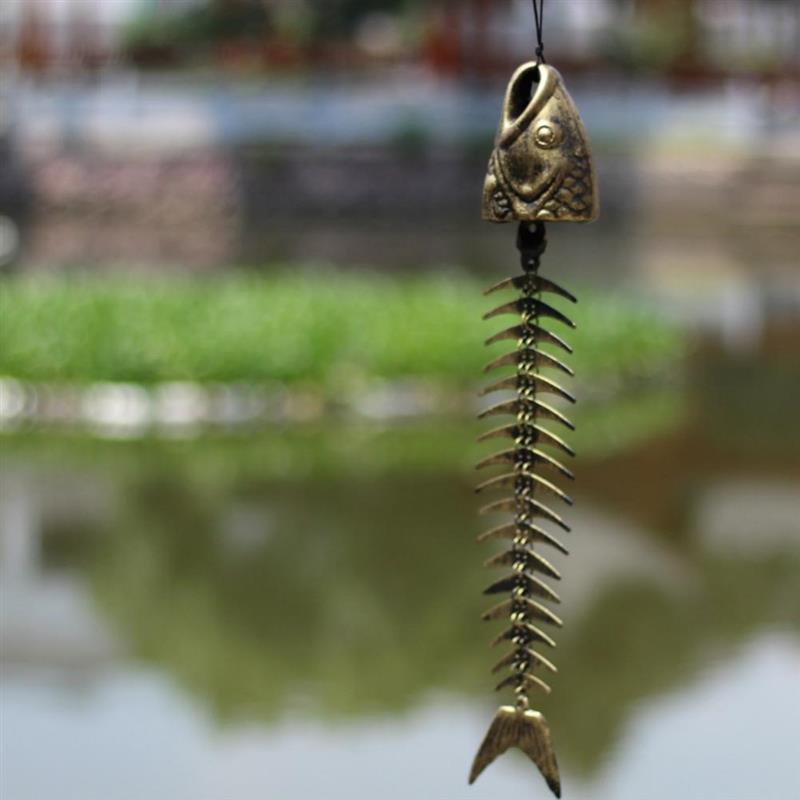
x=538, y=14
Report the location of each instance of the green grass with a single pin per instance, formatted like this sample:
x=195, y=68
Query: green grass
x=320, y=327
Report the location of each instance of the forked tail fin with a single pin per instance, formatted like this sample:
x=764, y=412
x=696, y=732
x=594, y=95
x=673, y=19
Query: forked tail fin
x=527, y=730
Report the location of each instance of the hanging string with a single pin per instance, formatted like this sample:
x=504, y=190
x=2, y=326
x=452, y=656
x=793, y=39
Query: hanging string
x=538, y=13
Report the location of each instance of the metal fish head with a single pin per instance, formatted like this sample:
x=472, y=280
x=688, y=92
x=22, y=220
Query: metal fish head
x=541, y=167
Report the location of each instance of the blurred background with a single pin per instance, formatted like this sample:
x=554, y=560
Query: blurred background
x=240, y=340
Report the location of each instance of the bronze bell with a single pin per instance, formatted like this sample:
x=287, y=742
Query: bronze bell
x=541, y=168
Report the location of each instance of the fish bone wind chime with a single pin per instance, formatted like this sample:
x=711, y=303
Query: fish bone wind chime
x=540, y=171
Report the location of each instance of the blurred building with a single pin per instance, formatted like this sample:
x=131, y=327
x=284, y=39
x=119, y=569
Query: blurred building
x=196, y=167
x=68, y=36
x=706, y=37
x=56, y=36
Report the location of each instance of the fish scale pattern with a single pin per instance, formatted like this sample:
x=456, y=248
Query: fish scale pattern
x=574, y=196
x=529, y=470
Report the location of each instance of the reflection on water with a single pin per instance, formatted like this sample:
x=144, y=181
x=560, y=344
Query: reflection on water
x=187, y=620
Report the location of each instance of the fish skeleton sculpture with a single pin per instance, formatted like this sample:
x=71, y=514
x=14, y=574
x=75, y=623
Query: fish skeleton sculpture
x=540, y=170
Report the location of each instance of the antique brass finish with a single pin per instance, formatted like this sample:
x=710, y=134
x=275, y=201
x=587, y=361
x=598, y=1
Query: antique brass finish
x=541, y=167
x=526, y=730
x=527, y=434
x=533, y=332
x=541, y=358
x=519, y=726
x=527, y=406
x=540, y=170
x=520, y=453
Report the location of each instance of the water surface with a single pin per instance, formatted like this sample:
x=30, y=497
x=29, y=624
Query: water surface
x=294, y=614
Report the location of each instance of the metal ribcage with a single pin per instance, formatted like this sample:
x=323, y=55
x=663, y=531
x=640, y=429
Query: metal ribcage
x=530, y=467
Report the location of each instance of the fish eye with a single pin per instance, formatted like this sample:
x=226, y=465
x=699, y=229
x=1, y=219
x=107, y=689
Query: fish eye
x=547, y=135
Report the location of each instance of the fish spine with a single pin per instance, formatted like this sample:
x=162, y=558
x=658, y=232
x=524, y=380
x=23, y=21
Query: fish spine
x=525, y=608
